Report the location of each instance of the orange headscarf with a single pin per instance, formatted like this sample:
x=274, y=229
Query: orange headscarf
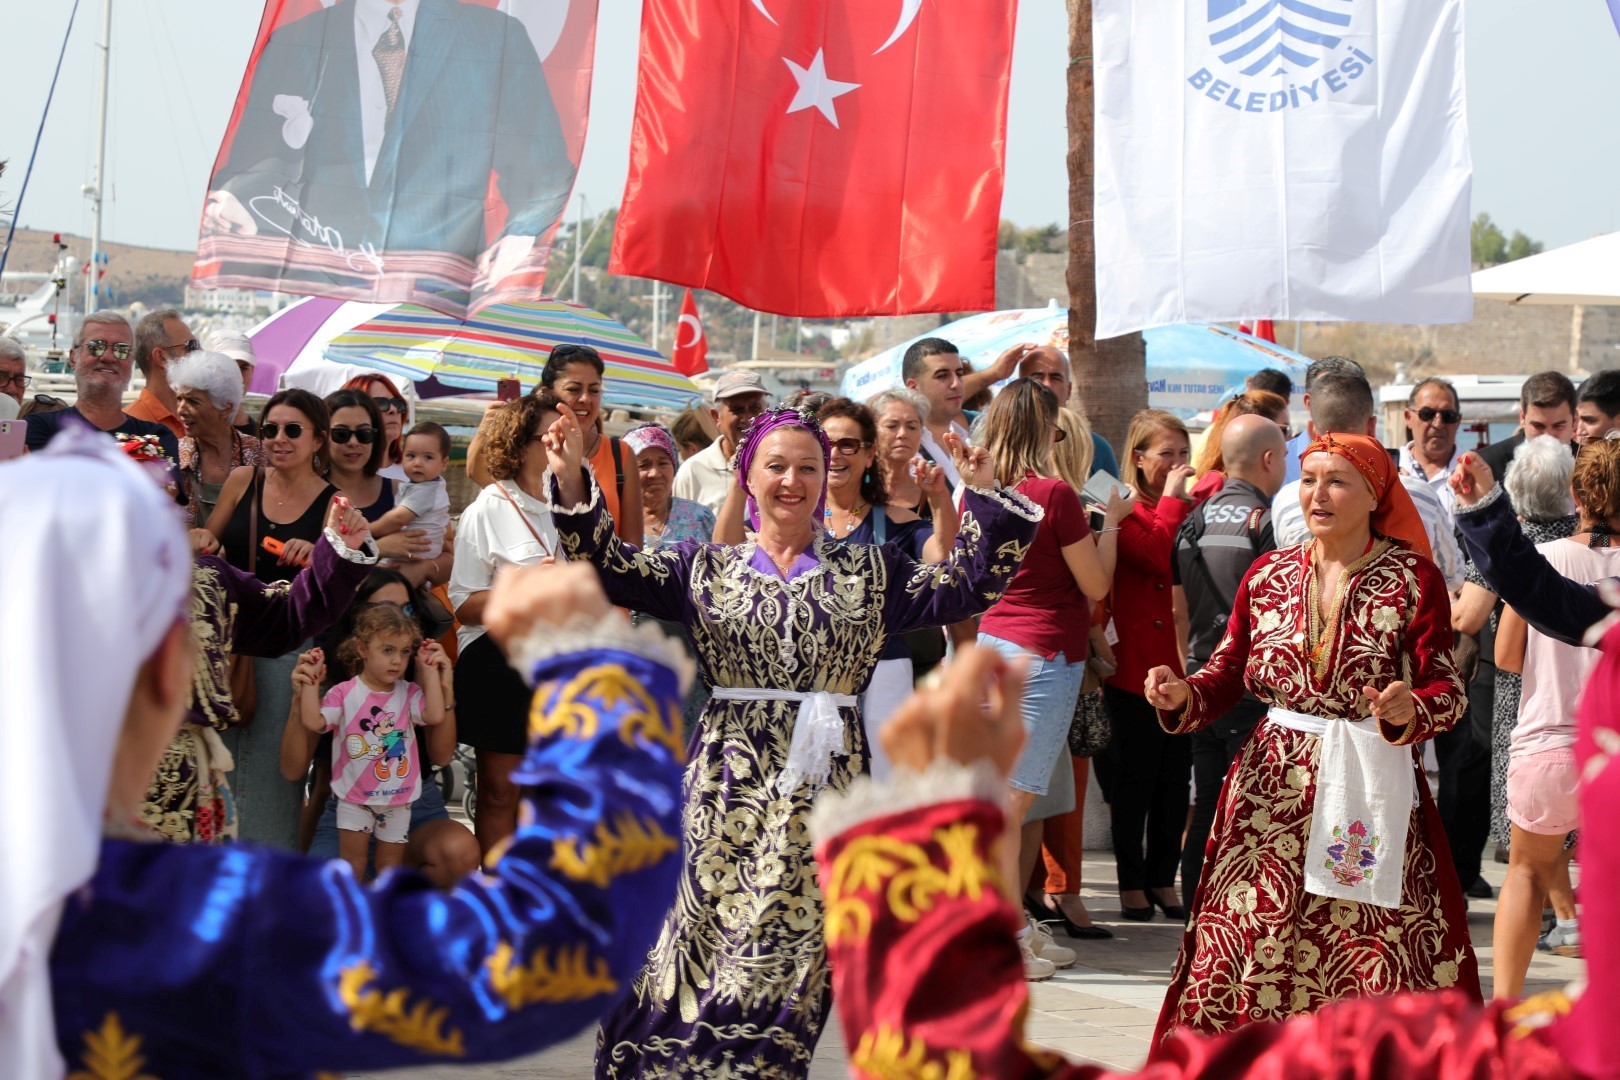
x=1395, y=516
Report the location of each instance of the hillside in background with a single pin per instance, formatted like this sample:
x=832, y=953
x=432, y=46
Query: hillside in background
x=154, y=276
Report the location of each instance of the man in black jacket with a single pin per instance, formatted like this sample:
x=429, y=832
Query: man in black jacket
x=1546, y=407
x=1216, y=546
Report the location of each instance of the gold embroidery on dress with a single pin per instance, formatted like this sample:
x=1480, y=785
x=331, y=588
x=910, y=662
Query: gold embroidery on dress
x=1538, y=1011
x=904, y=875
x=885, y=1054
x=419, y=1027
x=626, y=846
x=575, y=709
x=574, y=977
x=111, y=1054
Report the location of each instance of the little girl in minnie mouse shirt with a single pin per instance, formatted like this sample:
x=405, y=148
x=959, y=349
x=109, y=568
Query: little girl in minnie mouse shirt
x=376, y=767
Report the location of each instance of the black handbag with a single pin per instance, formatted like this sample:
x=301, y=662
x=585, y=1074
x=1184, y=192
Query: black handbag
x=1090, y=731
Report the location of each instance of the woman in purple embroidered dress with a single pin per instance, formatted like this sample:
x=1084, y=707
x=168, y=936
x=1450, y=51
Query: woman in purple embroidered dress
x=788, y=628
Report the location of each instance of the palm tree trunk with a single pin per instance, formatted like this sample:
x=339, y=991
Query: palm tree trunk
x=1110, y=377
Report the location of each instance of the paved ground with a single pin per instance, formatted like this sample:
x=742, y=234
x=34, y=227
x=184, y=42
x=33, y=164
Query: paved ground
x=1101, y=1010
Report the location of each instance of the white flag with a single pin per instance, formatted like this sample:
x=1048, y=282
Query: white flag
x=1284, y=159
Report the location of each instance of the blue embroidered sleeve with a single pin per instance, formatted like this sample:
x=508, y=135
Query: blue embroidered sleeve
x=236, y=960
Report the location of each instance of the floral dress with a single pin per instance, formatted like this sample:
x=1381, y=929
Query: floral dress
x=737, y=984
x=201, y=497
x=1258, y=947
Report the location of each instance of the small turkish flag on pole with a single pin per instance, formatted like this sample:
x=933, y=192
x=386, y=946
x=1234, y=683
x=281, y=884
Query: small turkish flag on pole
x=691, y=344
x=1264, y=329
x=820, y=158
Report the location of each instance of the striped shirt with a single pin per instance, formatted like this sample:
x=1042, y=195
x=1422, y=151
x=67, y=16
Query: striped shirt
x=1288, y=522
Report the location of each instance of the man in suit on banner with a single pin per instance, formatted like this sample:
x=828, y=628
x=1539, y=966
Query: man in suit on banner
x=377, y=126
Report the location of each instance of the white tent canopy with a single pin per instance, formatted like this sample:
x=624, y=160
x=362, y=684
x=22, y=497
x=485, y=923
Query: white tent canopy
x=1583, y=273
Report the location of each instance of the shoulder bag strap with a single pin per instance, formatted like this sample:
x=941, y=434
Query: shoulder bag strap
x=253, y=524
x=544, y=547
x=880, y=525
x=618, y=465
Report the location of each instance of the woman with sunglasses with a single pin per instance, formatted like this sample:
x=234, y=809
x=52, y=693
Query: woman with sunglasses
x=392, y=407
x=268, y=521
x=859, y=511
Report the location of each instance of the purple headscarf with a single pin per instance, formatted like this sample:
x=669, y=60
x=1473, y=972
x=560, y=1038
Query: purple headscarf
x=766, y=422
x=652, y=437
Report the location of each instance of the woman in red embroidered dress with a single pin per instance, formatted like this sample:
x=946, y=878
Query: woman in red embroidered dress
x=1352, y=624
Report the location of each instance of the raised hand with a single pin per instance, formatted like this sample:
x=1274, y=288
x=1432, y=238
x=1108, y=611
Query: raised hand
x=1471, y=481
x=1392, y=705
x=347, y=522
x=431, y=654
x=972, y=462
x=310, y=669
x=565, y=445
x=1165, y=689
x=1175, y=485
x=930, y=478
x=972, y=714
x=557, y=594
x=1008, y=362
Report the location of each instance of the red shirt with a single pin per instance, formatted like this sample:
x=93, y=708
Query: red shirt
x=1144, y=604
x=1043, y=610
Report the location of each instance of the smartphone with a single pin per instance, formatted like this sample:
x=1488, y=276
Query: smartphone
x=273, y=546
x=13, y=438
x=508, y=389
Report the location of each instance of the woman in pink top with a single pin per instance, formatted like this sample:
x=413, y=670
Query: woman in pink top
x=1541, y=777
x=1045, y=613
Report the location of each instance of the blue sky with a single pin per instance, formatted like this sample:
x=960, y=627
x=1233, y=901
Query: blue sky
x=1543, y=80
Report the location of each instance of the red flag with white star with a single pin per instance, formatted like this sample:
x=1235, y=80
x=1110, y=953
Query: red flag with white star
x=691, y=343
x=820, y=157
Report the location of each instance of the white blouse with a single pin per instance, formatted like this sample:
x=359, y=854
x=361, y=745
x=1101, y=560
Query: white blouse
x=493, y=533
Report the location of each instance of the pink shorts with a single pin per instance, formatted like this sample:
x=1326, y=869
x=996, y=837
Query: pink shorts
x=1541, y=796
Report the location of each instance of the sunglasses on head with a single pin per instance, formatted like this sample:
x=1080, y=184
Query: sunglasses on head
x=1058, y=434
x=389, y=404
x=97, y=347
x=849, y=447
x=365, y=436
x=271, y=429
x=1447, y=416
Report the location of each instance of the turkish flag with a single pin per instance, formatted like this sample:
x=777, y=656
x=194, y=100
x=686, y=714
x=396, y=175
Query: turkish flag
x=691, y=343
x=820, y=157
x=1265, y=329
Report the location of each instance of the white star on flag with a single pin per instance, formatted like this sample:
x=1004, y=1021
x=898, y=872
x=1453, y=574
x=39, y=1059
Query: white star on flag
x=815, y=89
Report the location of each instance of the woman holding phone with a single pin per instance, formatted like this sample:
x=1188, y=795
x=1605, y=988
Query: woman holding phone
x=268, y=521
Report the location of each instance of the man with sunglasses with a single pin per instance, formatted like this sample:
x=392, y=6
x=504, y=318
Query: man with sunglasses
x=1433, y=414
x=161, y=338
x=103, y=356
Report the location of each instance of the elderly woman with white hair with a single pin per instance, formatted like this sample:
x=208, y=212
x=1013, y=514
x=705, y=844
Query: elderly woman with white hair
x=1537, y=484
x=239, y=347
x=208, y=389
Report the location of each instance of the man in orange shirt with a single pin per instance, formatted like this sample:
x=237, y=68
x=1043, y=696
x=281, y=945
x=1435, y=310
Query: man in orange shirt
x=160, y=337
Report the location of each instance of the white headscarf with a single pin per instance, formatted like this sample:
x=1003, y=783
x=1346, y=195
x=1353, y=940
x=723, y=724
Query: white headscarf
x=96, y=570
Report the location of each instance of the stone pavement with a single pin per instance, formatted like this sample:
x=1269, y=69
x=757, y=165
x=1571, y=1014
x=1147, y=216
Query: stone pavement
x=1102, y=1010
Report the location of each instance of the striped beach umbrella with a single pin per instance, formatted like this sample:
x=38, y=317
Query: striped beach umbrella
x=511, y=341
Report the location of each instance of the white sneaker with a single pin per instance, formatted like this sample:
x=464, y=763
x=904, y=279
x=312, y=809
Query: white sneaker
x=1035, y=968
x=1043, y=946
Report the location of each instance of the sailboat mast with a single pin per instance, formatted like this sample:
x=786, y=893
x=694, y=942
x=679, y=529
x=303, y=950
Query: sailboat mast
x=94, y=189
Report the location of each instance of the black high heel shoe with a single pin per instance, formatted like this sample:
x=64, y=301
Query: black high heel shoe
x=1137, y=914
x=1078, y=932
x=1171, y=911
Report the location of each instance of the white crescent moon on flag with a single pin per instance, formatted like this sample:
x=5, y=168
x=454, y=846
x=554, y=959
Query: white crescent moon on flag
x=697, y=331
x=761, y=5
x=908, y=15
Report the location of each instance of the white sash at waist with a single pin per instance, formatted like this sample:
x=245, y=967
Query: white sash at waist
x=818, y=732
x=1365, y=791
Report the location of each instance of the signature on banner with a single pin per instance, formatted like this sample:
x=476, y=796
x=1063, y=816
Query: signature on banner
x=324, y=235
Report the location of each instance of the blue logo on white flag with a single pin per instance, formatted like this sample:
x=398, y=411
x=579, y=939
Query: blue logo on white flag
x=1276, y=37
x=1268, y=56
